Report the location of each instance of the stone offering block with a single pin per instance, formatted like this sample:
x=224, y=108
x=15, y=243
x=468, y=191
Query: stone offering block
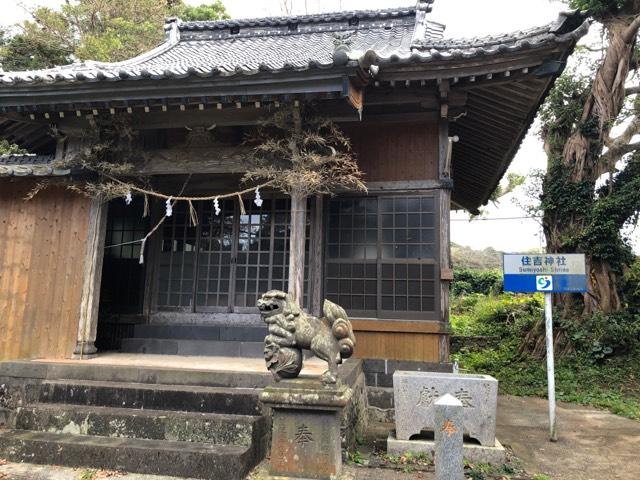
x=305, y=438
x=416, y=393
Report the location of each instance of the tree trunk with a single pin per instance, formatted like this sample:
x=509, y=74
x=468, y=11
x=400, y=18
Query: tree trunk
x=581, y=157
x=296, y=245
x=602, y=285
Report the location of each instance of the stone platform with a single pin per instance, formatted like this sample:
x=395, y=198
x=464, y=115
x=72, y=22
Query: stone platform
x=473, y=452
x=156, y=414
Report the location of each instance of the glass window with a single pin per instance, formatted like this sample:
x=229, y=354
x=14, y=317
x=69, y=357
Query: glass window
x=235, y=257
x=381, y=255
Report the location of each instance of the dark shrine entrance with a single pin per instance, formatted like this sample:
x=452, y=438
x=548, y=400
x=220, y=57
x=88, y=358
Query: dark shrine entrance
x=202, y=272
x=226, y=261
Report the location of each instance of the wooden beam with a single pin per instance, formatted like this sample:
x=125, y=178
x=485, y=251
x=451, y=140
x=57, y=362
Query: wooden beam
x=404, y=185
x=402, y=326
x=258, y=85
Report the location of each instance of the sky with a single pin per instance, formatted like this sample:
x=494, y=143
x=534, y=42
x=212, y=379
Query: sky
x=501, y=226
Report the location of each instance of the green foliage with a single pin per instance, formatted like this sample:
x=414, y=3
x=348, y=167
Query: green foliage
x=600, y=336
x=7, y=148
x=99, y=30
x=603, y=371
x=506, y=316
x=214, y=11
x=468, y=258
x=631, y=286
x=599, y=8
x=467, y=281
x=514, y=180
x=23, y=52
x=618, y=201
x=561, y=112
x=356, y=457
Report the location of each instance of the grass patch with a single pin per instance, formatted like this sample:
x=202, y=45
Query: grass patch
x=587, y=376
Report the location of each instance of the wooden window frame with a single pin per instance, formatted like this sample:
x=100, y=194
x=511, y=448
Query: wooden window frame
x=380, y=313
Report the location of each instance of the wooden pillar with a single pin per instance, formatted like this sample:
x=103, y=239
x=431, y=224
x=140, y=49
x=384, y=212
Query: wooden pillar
x=445, y=269
x=90, y=301
x=446, y=274
x=316, y=262
x=296, y=243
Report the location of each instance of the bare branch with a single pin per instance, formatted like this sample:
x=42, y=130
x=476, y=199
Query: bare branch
x=615, y=153
x=631, y=90
x=625, y=137
x=632, y=30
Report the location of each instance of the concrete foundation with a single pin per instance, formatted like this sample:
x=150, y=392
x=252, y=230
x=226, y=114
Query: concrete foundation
x=473, y=452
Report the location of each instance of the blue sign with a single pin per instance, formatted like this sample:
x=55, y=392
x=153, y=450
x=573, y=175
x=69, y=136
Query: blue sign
x=557, y=273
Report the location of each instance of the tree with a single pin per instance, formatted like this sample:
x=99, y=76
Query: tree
x=99, y=30
x=7, y=148
x=578, y=118
x=214, y=11
x=302, y=154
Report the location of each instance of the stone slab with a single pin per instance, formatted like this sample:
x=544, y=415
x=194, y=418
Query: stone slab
x=204, y=461
x=473, y=452
x=415, y=394
x=306, y=437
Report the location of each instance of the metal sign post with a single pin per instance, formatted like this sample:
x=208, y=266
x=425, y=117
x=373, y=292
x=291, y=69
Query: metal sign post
x=548, y=273
x=551, y=379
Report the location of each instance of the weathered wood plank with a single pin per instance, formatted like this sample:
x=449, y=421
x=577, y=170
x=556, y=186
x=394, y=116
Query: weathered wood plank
x=297, y=241
x=40, y=241
x=317, y=259
x=398, y=152
x=421, y=347
x=89, y=303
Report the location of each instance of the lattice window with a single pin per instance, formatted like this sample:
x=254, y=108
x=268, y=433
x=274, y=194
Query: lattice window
x=236, y=257
x=382, y=256
x=215, y=255
x=177, y=261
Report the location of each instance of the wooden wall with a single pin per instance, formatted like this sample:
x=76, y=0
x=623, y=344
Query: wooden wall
x=399, y=340
x=397, y=151
x=42, y=252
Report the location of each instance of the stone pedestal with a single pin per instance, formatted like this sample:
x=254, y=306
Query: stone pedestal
x=305, y=440
x=448, y=438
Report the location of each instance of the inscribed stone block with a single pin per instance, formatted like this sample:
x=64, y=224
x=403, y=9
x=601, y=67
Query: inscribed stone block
x=415, y=394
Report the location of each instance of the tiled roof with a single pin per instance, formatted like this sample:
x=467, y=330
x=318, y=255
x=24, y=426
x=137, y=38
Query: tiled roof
x=250, y=46
x=24, y=165
x=298, y=43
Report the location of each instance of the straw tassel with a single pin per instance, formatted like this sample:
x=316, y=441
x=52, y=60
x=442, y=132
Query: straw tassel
x=193, y=215
x=242, y=210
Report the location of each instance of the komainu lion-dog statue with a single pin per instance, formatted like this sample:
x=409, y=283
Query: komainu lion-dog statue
x=291, y=330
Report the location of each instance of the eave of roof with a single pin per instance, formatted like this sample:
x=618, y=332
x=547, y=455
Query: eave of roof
x=484, y=153
x=28, y=165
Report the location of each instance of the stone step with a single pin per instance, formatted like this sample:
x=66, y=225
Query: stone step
x=223, y=429
x=87, y=371
x=219, y=348
x=159, y=457
x=183, y=398
x=199, y=332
